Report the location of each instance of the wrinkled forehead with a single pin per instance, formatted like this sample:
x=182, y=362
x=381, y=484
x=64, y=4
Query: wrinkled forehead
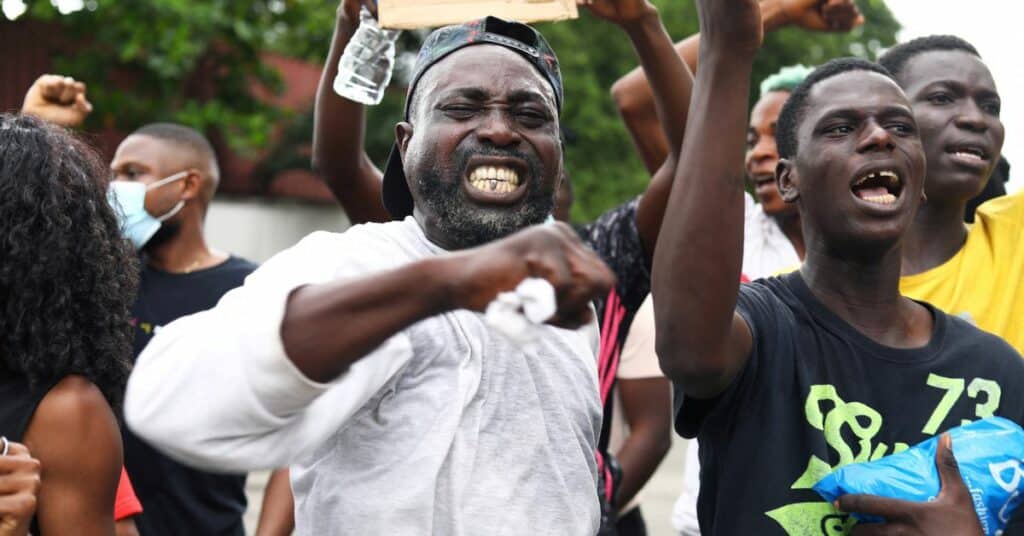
x=490, y=69
x=854, y=93
x=946, y=66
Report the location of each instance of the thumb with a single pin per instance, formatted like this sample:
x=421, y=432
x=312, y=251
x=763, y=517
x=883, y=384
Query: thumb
x=945, y=462
x=82, y=103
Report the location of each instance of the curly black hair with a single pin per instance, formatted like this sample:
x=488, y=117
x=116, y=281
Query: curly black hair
x=67, y=276
x=794, y=109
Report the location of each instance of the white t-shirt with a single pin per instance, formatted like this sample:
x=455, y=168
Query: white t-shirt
x=446, y=428
x=766, y=249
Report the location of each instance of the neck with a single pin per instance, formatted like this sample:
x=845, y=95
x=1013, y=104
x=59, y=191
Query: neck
x=937, y=233
x=187, y=251
x=790, y=225
x=862, y=291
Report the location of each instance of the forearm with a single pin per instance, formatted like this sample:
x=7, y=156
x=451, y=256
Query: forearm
x=339, y=130
x=277, y=515
x=636, y=103
x=327, y=327
x=258, y=409
x=647, y=408
x=702, y=232
x=639, y=457
x=670, y=81
x=635, y=98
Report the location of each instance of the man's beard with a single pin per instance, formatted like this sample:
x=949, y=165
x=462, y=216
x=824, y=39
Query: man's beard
x=167, y=231
x=467, y=225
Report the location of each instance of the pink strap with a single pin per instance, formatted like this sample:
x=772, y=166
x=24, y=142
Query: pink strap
x=609, y=353
x=608, y=366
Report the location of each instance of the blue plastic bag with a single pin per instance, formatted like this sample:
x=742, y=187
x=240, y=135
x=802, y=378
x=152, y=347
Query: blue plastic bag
x=990, y=453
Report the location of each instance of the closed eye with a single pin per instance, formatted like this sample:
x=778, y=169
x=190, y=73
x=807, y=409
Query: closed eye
x=531, y=118
x=459, y=111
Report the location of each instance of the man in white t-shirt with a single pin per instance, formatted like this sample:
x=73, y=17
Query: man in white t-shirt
x=362, y=360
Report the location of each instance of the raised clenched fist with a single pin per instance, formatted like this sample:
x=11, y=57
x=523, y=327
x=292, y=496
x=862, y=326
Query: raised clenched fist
x=57, y=99
x=822, y=15
x=553, y=252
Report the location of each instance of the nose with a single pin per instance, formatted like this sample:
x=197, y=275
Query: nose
x=764, y=151
x=971, y=117
x=876, y=138
x=496, y=127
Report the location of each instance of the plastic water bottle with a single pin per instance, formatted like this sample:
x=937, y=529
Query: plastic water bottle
x=366, y=65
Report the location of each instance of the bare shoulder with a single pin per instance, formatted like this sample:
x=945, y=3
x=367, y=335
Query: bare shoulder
x=75, y=437
x=72, y=418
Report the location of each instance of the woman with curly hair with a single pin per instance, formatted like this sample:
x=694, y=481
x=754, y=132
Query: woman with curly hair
x=67, y=280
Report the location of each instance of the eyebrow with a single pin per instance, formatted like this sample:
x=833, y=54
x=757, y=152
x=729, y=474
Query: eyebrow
x=478, y=94
x=858, y=114
x=129, y=164
x=960, y=87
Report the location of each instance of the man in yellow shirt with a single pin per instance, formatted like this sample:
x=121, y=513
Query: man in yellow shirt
x=971, y=271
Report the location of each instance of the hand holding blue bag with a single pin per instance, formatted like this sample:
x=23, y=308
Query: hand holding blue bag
x=927, y=481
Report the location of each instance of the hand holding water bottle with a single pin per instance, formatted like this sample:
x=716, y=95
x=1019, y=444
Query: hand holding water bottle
x=369, y=59
x=350, y=9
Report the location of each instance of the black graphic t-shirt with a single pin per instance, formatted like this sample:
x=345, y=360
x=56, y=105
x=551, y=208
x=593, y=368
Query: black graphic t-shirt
x=817, y=394
x=177, y=499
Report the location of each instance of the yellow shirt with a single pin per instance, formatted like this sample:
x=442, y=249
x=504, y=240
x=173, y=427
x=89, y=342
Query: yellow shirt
x=984, y=281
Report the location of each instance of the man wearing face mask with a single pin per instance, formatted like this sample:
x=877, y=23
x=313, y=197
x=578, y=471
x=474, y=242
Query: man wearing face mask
x=164, y=176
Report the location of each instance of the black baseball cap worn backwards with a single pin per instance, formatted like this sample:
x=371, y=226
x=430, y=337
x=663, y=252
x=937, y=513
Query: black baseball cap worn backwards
x=515, y=36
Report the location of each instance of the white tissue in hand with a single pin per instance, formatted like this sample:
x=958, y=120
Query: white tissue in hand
x=538, y=297
x=519, y=313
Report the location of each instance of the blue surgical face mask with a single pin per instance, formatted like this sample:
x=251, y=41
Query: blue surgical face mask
x=129, y=201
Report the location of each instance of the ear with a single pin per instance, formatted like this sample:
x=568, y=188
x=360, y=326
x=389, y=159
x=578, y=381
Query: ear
x=788, y=180
x=403, y=133
x=193, y=183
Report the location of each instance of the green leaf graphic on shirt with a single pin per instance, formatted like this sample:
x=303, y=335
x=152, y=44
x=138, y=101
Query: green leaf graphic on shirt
x=803, y=519
x=863, y=421
x=816, y=470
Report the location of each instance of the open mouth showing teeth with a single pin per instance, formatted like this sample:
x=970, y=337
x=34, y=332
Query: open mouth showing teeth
x=879, y=187
x=969, y=153
x=494, y=179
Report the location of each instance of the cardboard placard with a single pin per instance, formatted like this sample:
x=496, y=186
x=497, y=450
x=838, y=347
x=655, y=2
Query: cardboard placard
x=411, y=14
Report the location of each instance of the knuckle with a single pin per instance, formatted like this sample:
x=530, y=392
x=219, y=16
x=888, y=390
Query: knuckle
x=35, y=482
x=26, y=504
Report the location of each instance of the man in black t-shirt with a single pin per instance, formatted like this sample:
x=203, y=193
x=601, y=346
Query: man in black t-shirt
x=178, y=172
x=786, y=379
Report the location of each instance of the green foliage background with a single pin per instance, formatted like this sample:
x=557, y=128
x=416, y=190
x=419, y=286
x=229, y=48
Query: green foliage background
x=156, y=48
